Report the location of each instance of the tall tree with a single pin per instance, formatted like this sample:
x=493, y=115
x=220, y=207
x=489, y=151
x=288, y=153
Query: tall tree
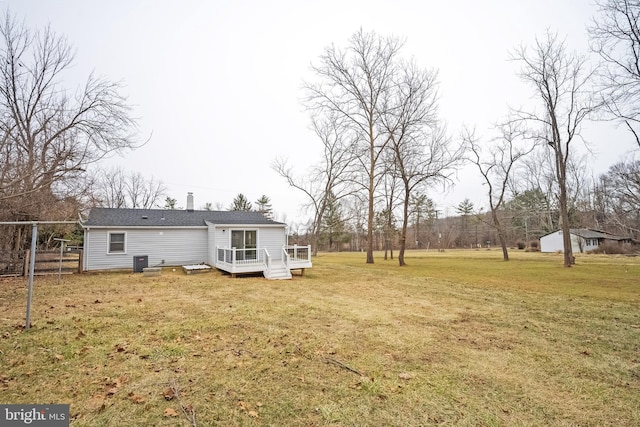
x=49, y=134
x=561, y=84
x=465, y=209
x=264, y=206
x=615, y=37
x=334, y=224
x=354, y=85
x=423, y=212
x=240, y=203
x=624, y=186
x=421, y=149
x=496, y=167
x=330, y=178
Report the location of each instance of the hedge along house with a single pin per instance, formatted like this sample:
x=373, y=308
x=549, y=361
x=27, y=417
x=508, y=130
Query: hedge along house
x=582, y=240
x=235, y=242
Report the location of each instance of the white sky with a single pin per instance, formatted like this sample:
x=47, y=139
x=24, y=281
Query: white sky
x=218, y=83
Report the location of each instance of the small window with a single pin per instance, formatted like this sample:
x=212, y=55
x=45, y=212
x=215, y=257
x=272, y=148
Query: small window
x=116, y=243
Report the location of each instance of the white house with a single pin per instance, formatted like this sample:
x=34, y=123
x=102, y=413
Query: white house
x=582, y=240
x=235, y=242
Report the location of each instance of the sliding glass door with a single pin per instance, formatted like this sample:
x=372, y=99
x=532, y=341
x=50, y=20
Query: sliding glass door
x=247, y=241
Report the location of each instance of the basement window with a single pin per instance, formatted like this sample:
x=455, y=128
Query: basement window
x=116, y=243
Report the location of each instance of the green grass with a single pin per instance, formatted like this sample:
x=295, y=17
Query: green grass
x=453, y=338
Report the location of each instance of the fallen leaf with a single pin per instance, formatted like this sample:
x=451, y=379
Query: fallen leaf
x=169, y=413
x=168, y=393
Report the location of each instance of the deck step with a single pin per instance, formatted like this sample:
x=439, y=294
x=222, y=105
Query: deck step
x=278, y=273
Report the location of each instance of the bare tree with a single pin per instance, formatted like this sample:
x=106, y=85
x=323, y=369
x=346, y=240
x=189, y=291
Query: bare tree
x=615, y=37
x=48, y=134
x=422, y=159
x=496, y=167
x=328, y=180
x=624, y=189
x=561, y=85
x=387, y=216
x=354, y=85
x=537, y=176
x=421, y=152
x=115, y=188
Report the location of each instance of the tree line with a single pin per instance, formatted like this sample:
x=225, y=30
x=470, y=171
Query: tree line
x=385, y=146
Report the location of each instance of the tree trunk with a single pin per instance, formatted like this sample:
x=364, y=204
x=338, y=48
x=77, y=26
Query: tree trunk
x=569, y=260
x=503, y=242
x=370, y=218
x=561, y=167
x=403, y=234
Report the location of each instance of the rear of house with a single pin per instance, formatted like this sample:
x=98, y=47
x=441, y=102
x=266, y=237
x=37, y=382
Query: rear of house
x=236, y=242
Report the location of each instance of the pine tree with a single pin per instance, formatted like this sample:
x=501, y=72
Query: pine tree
x=240, y=203
x=264, y=206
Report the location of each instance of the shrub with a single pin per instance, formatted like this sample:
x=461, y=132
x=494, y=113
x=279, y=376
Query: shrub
x=534, y=246
x=521, y=245
x=613, y=249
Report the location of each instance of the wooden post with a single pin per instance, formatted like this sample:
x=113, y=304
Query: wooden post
x=25, y=266
x=80, y=266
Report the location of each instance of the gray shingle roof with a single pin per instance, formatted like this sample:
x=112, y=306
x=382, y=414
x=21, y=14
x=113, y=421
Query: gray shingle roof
x=110, y=217
x=587, y=233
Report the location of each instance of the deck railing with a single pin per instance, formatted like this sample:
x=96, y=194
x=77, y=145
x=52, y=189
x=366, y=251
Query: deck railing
x=285, y=258
x=236, y=256
x=259, y=259
x=298, y=253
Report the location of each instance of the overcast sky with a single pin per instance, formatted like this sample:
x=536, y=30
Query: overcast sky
x=217, y=84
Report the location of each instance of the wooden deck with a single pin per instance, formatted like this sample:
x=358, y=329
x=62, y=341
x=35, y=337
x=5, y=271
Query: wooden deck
x=243, y=261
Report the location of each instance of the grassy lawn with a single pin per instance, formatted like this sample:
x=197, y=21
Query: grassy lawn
x=454, y=338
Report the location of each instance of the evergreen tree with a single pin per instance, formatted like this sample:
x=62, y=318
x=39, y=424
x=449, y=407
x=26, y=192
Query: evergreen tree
x=240, y=203
x=464, y=209
x=333, y=225
x=170, y=203
x=264, y=206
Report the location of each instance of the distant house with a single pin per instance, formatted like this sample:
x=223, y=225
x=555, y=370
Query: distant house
x=235, y=242
x=582, y=240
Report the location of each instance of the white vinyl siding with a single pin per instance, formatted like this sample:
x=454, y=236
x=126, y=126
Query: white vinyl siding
x=177, y=246
x=553, y=243
x=270, y=238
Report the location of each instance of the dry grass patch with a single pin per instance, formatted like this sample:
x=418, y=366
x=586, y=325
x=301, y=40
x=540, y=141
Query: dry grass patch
x=454, y=338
